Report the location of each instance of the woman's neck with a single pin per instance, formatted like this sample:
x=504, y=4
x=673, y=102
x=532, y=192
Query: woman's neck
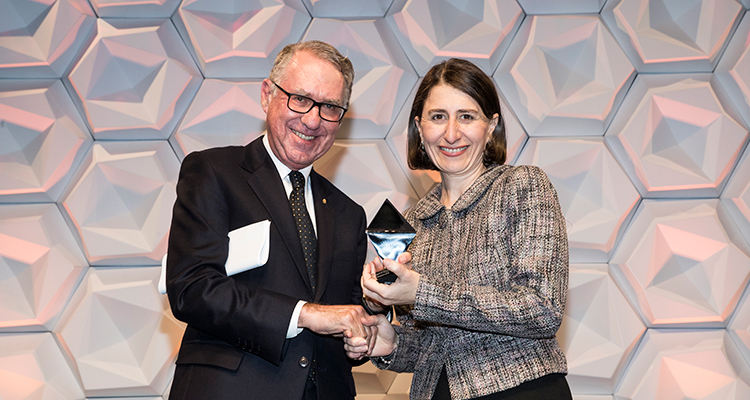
x=454, y=185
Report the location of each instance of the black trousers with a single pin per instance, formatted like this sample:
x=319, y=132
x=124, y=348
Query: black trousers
x=548, y=387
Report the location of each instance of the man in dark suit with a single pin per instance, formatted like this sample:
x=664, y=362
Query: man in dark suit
x=270, y=332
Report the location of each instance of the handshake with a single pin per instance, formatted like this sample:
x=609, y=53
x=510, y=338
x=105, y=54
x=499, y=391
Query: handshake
x=365, y=334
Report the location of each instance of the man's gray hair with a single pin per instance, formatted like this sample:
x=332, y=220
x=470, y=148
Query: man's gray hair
x=321, y=50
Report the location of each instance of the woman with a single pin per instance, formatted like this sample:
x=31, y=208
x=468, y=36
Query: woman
x=487, y=290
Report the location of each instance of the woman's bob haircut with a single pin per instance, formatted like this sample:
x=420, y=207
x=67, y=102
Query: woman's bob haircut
x=470, y=79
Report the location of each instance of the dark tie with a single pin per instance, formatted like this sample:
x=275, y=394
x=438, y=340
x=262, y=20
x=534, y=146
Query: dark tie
x=304, y=224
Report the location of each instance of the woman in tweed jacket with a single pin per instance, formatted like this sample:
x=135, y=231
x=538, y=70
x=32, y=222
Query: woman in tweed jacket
x=487, y=290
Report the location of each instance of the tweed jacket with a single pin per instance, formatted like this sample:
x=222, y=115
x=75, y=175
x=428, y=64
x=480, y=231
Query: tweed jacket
x=492, y=292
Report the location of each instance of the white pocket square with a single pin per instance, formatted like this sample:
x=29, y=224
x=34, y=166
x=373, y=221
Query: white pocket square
x=248, y=249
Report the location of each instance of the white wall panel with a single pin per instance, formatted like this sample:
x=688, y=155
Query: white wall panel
x=40, y=266
x=683, y=263
x=135, y=80
x=39, y=39
x=674, y=138
x=223, y=113
x=121, y=202
x=596, y=196
x=100, y=101
x=672, y=35
x=564, y=76
x=119, y=334
x=43, y=140
x=430, y=31
x=236, y=38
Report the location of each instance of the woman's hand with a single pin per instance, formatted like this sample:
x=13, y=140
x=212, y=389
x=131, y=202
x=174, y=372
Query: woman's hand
x=402, y=291
x=357, y=346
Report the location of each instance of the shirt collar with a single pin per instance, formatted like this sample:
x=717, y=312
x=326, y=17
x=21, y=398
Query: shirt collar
x=283, y=169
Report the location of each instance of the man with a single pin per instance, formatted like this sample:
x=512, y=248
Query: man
x=267, y=333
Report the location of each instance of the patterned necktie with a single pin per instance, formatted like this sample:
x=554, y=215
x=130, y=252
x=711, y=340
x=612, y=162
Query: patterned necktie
x=304, y=224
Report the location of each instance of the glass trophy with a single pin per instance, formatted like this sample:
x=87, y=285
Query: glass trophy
x=390, y=235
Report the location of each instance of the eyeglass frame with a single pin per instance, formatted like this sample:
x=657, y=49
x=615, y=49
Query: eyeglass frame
x=314, y=103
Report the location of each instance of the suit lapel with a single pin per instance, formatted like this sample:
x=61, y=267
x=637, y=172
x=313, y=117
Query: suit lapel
x=272, y=195
x=325, y=222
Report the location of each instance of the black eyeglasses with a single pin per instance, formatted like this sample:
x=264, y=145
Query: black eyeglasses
x=303, y=105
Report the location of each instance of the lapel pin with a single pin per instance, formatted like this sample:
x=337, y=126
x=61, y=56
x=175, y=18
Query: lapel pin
x=324, y=201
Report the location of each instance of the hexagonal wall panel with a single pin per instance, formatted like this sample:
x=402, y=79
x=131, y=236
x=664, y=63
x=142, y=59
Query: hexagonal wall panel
x=239, y=39
x=682, y=263
x=599, y=331
x=119, y=333
x=121, y=203
x=564, y=76
x=732, y=73
x=135, y=8
x=347, y=8
x=33, y=367
x=135, y=81
x=368, y=173
x=430, y=31
x=596, y=196
x=699, y=364
x=561, y=7
x=739, y=327
x=672, y=35
x=372, y=381
x=39, y=39
x=383, y=76
x=40, y=266
x=43, y=139
x=223, y=113
x=736, y=195
x=673, y=137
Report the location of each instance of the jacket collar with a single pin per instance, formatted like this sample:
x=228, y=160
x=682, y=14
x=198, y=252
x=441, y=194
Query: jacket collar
x=430, y=204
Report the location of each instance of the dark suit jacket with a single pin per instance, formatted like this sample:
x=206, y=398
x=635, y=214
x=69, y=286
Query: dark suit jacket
x=235, y=343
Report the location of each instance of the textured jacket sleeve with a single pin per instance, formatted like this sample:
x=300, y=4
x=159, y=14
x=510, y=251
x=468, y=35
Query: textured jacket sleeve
x=527, y=240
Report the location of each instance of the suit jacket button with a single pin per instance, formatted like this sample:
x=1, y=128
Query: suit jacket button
x=304, y=362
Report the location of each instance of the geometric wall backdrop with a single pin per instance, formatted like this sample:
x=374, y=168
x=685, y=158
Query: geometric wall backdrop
x=39, y=39
x=239, y=39
x=223, y=113
x=121, y=202
x=135, y=80
x=564, y=75
x=692, y=364
x=40, y=266
x=732, y=73
x=672, y=135
x=599, y=331
x=638, y=111
x=32, y=366
x=430, y=31
x=595, y=195
x=43, y=140
x=683, y=263
x=672, y=36
x=119, y=334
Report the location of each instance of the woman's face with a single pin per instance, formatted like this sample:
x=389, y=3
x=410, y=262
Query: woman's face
x=454, y=131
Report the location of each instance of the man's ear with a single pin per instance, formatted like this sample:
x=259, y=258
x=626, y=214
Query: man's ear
x=265, y=94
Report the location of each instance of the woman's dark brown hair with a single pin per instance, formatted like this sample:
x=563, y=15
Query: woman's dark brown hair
x=468, y=78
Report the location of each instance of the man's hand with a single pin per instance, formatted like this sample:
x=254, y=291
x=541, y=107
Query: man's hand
x=334, y=319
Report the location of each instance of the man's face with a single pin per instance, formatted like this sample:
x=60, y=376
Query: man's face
x=299, y=139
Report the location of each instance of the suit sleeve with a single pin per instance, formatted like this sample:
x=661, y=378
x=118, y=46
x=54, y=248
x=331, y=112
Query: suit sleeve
x=200, y=293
